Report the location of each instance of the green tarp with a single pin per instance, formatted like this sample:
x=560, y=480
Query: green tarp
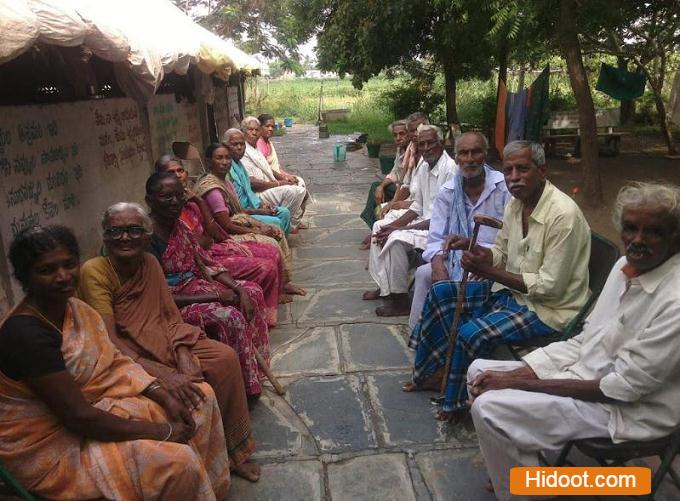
x=620, y=83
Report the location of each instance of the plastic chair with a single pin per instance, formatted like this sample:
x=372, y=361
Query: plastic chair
x=607, y=453
x=10, y=486
x=603, y=255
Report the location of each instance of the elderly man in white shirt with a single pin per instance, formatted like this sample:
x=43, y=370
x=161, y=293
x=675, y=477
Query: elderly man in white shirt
x=477, y=189
x=272, y=191
x=401, y=232
x=620, y=378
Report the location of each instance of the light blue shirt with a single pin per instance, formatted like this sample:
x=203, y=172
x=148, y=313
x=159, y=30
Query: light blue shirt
x=491, y=202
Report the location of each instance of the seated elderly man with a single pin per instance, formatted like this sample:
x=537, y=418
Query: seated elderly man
x=404, y=231
x=402, y=198
x=619, y=378
x=250, y=201
x=383, y=191
x=538, y=268
x=476, y=189
x=273, y=190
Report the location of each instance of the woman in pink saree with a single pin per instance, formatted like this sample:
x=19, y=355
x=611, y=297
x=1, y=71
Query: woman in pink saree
x=227, y=310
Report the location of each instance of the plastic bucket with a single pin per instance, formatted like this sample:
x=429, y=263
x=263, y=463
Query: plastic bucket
x=373, y=150
x=386, y=164
x=288, y=121
x=339, y=152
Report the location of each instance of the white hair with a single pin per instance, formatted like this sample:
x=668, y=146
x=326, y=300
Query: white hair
x=120, y=207
x=537, y=151
x=396, y=123
x=230, y=132
x=426, y=127
x=247, y=120
x=652, y=195
x=476, y=133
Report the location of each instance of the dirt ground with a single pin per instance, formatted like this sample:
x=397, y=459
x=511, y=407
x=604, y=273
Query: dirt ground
x=641, y=159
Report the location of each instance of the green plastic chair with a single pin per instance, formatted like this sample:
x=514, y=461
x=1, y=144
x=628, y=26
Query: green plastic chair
x=607, y=453
x=603, y=255
x=10, y=486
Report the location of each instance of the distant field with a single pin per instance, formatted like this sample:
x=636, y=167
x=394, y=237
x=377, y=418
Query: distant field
x=299, y=99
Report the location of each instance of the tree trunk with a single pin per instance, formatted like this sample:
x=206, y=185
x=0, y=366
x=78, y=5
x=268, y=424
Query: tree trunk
x=665, y=123
x=450, y=89
x=571, y=50
x=503, y=52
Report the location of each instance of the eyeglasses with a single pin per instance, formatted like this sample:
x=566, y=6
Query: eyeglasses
x=117, y=232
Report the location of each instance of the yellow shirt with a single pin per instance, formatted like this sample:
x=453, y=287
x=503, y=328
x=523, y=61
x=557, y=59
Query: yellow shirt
x=552, y=258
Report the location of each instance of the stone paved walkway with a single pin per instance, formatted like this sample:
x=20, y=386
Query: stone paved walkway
x=345, y=430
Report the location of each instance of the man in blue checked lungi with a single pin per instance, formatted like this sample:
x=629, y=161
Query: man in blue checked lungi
x=530, y=283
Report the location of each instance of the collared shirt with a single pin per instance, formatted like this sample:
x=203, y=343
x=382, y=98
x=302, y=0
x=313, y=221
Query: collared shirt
x=552, y=259
x=631, y=343
x=256, y=164
x=426, y=183
x=491, y=202
x=398, y=170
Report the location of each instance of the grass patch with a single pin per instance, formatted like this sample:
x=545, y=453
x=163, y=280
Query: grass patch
x=299, y=99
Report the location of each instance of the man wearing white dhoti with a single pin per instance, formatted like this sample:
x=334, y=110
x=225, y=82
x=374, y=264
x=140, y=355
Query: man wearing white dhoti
x=272, y=191
x=403, y=231
x=620, y=378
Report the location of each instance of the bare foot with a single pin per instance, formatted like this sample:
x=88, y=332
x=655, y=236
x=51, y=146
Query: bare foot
x=249, y=471
x=302, y=226
x=285, y=298
x=371, y=295
x=454, y=417
x=432, y=383
x=289, y=288
x=393, y=310
x=366, y=243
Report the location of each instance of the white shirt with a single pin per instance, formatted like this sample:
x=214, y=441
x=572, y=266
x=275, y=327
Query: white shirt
x=256, y=164
x=426, y=183
x=631, y=343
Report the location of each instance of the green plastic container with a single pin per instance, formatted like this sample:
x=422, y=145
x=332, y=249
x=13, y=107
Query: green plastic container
x=386, y=164
x=373, y=150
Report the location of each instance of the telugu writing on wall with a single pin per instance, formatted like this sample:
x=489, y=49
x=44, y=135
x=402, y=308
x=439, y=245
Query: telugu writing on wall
x=65, y=163
x=171, y=121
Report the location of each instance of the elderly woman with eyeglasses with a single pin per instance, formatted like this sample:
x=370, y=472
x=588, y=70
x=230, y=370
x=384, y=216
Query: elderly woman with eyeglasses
x=129, y=290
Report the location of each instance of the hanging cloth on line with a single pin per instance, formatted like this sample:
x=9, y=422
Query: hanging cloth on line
x=620, y=83
x=538, y=104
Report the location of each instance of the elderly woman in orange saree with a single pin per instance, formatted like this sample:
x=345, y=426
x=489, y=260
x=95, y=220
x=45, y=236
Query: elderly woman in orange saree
x=78, y=420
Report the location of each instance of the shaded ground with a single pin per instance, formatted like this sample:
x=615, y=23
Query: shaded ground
x=345, y=430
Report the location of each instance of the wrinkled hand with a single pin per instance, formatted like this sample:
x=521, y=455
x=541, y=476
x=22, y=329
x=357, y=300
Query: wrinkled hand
x=227, y=297
x=246, y=305
x=177, y=412
x=181, y=432
x=475, y=261
x=383, y=234
x=455, y=242
x=500, y=380
x=188, y=364
x=182, y=387
x=292, y=179
x=379, y=195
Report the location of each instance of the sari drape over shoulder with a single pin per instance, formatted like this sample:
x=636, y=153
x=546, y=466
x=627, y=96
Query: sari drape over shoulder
x=210, y=182
x=184, y=256
x=241, y=263
x=58, y=464
x=150, y=327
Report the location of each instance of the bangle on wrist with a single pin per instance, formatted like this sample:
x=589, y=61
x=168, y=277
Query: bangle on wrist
x=169, y=432
x=153, y=386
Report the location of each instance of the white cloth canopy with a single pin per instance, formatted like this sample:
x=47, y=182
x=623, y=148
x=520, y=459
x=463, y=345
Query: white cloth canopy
x=145, y=38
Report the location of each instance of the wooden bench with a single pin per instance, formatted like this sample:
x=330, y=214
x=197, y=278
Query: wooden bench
x=563, y=129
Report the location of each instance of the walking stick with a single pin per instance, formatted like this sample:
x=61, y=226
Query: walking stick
x=480, y=220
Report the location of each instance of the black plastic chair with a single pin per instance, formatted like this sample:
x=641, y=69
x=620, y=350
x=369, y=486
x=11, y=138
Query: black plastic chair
x=603, y=254
x=607, y=453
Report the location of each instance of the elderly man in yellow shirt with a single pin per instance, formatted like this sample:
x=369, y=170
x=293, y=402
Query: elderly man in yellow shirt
x=530, y=284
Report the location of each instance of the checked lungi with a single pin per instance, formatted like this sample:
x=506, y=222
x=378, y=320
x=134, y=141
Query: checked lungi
x=488, y=319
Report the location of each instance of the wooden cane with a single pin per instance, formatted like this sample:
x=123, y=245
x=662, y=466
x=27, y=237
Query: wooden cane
x=460, y=298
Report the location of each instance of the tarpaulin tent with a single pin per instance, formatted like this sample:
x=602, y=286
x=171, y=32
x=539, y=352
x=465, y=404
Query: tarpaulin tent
x=144, y=39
